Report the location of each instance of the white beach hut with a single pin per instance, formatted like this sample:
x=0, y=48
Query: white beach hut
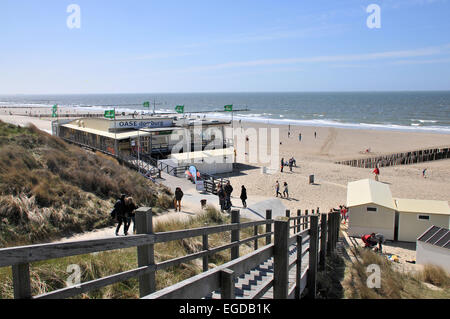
x=433, y=247
x=373, y=209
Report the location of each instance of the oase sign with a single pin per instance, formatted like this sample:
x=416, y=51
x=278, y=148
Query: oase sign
x=155, y=123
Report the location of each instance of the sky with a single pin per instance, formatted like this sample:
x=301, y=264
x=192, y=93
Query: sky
x=169, y=46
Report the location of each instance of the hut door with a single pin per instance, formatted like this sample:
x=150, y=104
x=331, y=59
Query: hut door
x=396, y=226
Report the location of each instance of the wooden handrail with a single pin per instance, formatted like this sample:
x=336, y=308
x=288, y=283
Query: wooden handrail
x=20, y=258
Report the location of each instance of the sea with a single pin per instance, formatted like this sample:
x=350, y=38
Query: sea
x=427, y=111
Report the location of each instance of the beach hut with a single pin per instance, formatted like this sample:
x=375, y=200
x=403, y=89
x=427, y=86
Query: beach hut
x=373, y=209
x=416, y=216
x=433, y=247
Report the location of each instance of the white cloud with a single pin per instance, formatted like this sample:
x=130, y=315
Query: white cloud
x=422, y=52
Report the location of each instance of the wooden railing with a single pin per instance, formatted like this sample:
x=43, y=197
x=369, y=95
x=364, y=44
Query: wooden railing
x=222, y=277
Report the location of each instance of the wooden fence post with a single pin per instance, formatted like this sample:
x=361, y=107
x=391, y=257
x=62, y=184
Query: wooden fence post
x=268, y=226
x=338, y=227
x=205, y=247
x=313, y=256
x=299, y=221
x=227, y=284
x=146, y=253
x=281, y=260
x=298, y=278
x=255, y=233
x=323, y=241
x=306, y=220
x=21, y=281
x=235, y=219
x=330, y=233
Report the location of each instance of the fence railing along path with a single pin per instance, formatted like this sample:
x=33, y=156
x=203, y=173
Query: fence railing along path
x=313, y=235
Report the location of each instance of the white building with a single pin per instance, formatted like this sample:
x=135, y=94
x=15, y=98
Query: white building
x=372, y=209
x=433, y=247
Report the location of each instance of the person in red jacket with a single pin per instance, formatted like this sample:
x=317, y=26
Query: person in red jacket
x=376, y=171
x=369, y=240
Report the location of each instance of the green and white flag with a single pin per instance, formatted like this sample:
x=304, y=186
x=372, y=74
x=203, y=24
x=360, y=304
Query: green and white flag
x=146, y=104
x=55, y=111
x=179, y=108
x=228, y=108
x=110, y=114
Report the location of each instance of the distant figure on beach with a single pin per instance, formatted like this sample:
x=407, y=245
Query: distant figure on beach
x=286, y=191
x=343, y=211
x=130, y=207
x=300, y=137
x=376, y=171
x=244, y=196
x=291, y=163
x=277, y=189
x=294, y=162
x=289, y=134
x=178, y=196
x=282, y=164
x=315, y=134
x=424, y=172
x=119, y=207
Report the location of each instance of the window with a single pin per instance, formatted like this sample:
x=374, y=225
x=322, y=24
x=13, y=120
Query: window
x=423, y=217
x=372, y=209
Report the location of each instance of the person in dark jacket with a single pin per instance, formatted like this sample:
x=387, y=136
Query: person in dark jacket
x=119, y=206
x=130, y=207
x=228, y=190
x=222, y=195
x=178, y=196
x=244, y=196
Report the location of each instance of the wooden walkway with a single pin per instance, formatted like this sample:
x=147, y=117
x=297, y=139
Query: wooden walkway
x=286, y=268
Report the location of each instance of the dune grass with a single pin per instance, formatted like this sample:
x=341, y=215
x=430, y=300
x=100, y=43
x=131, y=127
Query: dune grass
x=50, y=189
x=394, y=284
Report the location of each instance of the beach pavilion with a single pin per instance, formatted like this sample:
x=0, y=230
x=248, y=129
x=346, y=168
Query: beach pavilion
x=372, y=209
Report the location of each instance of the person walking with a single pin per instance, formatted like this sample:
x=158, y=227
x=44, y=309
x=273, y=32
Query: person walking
x=286, y=191
x=221, y=195
x=376, y=171
x=119, y=207
x=299, y=137
x=228, y=190
x=282, y=164
x=424, y=172
x=130, y=215
x=277, y=189
x=244, y=196
x=291, y=163
x=315, y=134
x=178, y=196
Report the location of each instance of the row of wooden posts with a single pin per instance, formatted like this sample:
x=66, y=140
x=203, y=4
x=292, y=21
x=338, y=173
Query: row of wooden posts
x=323, y=231
x=404, y=158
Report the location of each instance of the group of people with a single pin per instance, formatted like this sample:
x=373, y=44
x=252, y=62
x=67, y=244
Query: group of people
x=224, y=193
x=124, y=213
x=285, y=190
x=291, y=163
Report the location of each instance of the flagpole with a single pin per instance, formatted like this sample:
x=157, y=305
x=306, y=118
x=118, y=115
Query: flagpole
x=115, y=134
